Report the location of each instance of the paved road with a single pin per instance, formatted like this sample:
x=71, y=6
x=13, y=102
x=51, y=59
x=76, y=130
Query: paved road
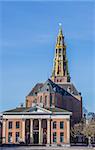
x=45, y=148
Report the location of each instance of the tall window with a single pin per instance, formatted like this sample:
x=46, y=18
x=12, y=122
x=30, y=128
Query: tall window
x=41, y=99
x=45, y=100
x=54, y=125
x=61, y=137
x=54, y=137
x=35, y=100
x=17, y=124
x=10, y=137
x=10, y=125
x=61, y=125
x=17, y=136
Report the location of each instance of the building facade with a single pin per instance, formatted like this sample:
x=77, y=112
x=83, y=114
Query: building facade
x=50, y=108
x=36, y=125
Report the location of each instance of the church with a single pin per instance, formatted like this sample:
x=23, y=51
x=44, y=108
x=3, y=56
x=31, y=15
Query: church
x=51, y=108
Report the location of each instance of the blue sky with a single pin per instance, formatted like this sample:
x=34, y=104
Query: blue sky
x=27, y=43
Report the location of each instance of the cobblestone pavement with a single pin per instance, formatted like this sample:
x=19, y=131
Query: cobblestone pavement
x=45, y=148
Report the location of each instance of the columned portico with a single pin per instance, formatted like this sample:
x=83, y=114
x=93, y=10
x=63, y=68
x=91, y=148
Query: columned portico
x=40, y=131
x=48, y=131
x=31, y=131
x=35, y=127
x=4, y=131
x=23, y=130
x=68, y=131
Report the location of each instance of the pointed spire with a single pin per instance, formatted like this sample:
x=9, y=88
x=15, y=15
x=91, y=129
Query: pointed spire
x=60, y=69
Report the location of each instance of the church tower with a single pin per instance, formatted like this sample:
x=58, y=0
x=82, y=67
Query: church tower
x=60, y=72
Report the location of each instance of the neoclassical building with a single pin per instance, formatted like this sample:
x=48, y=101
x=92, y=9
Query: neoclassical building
x=50, y=108
x=36, y=125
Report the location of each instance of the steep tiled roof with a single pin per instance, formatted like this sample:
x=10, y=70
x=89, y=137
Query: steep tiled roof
x=50, y=86
x=69, y=86
x=36, y=88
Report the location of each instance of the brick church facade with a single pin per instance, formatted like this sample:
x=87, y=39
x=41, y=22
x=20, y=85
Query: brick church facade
x=50, y=107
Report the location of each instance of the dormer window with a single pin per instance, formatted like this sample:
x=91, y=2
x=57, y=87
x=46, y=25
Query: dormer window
x=54, y=89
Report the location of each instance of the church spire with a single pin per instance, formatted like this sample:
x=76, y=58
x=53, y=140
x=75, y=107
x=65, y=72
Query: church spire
x=60, y=72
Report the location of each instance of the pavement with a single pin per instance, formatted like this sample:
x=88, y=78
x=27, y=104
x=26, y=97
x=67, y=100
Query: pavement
x=46, y=148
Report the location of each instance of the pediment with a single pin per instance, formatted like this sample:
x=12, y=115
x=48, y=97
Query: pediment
x=38, y=109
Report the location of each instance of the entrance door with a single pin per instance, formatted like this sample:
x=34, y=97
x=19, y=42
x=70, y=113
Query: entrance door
x=36, y=137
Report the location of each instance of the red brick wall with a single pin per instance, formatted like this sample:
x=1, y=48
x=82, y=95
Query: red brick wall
x=58, y=130
x=69, y=103
x=31, y=99
x=13, y=130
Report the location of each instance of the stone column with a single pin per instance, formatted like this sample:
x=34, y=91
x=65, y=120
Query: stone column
x=68, y=131
x=39, y=131
x=4, y=131
x=31, y=131
x=48, y=132
x=23, y=130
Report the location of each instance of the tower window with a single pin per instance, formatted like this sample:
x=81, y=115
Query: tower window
x=59, y=50
x=56, y=50
x=63, y=57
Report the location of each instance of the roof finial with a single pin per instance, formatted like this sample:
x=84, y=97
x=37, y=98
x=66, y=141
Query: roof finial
x=60, y=28
x=60, y=24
